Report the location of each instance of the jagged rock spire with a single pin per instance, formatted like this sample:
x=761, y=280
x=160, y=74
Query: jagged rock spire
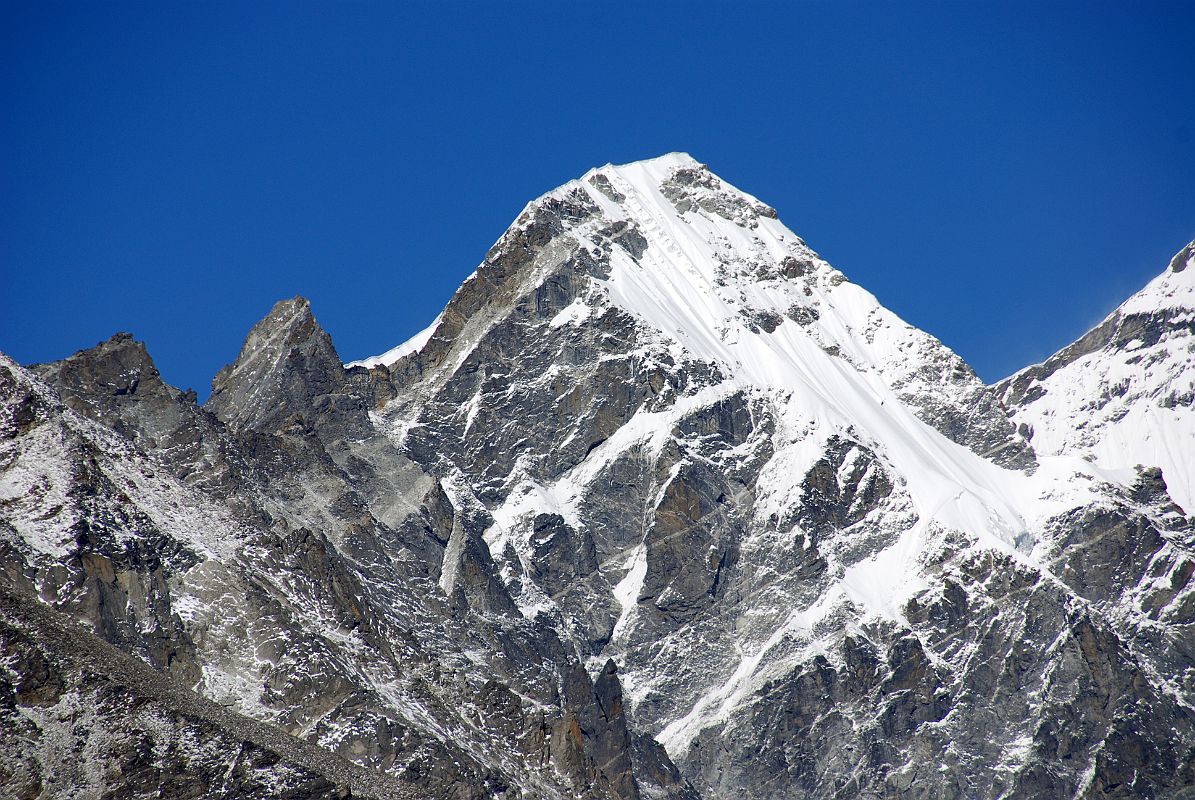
x=288, y=378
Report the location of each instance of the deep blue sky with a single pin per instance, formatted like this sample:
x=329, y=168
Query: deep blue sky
x=1000, y=174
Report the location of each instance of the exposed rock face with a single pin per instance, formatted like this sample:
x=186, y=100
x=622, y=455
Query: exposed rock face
x=250, y=565
x=661, y=507
x=289, y=378
x=116, y=384
x=81, y=718
x=101, y=383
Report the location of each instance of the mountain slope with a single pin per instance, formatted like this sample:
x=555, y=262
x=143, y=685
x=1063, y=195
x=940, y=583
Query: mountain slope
x=243, y=564
x=731, y=470
x=65, y=691
x=659, y=489
x=1122, y=394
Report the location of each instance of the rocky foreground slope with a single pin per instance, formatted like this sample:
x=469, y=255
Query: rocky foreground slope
x=661, y=505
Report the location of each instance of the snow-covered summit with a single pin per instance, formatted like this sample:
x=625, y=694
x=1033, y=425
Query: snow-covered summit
x=1173, y=289
x=714, y=270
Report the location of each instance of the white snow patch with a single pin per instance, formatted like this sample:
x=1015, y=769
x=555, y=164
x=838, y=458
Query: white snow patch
x=1131, y=406
x=574, y=313
x=412, y=345
x=626, y=592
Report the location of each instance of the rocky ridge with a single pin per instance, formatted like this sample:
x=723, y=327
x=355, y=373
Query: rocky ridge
x=215, y=563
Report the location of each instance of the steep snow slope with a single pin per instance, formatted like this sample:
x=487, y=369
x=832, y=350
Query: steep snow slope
x=390, y=356
x=1122, y=395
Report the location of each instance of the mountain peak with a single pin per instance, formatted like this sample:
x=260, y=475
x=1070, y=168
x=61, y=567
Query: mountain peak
x=291, y=315
x=686, y=182
x=674, y=160
x=1173, y=289
x=114, y=372
x=1183, y=258
x=662, y=167
x=1121, y=394
x=713, y=271
x=287, y=374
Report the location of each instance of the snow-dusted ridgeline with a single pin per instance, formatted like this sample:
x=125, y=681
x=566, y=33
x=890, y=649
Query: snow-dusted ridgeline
x=1122, y=395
